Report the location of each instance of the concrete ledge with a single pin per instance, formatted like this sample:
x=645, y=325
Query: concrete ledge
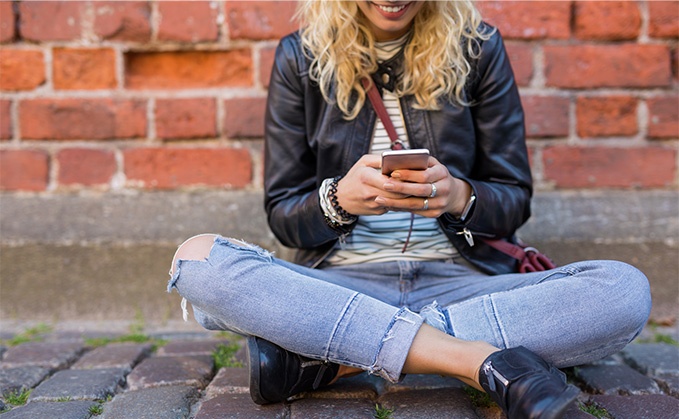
x=171, y=217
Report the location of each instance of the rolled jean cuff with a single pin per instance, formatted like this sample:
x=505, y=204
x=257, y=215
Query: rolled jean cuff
x=396, y=344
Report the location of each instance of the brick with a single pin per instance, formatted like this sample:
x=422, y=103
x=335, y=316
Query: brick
x=84, y=68
x=663, y=117
x=88, y=167
x=650, y=406
x=21, y=378
x=244, y=117
x=160, y=402
x=266, y=59
x=229, y=381
x=7, y=30
x=79, y=385
x=52, y=355
x=5, y=119
x=653, y=358
x=350, y=408
x=606, y=116
x=437, y=403
x=529, y=19
x=64, y=119
x=623, y=20
x=165, y=168
x=23, y=170
x=259, y=20
x=663, y=19
x=188, y=21
x=190, y=347
x=171, y=370
x=240, y=406
x=21, y=69
x=546, y=116
x=521, y=58
x=593, y=66
x=76, y=409
x=191, y=69
x=615, y=379
x=594, y=167
x=186, y=118
x=50, y=20
x=122, y=356
x=122, y=20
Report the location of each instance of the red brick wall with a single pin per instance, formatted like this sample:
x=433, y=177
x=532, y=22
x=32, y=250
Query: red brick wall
x=111, y=95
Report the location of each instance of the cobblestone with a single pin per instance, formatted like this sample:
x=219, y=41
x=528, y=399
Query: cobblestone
x=68, y=379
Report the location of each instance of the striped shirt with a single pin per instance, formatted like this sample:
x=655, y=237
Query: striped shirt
x=380, y=238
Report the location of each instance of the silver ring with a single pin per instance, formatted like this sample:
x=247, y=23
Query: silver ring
x=433, y=190
x=426, y=204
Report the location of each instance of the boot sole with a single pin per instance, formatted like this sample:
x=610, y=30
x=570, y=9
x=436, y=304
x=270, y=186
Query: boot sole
x=559, y=406
x=254, y=376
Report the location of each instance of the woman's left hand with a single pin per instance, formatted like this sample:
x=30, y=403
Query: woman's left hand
x=431, y=192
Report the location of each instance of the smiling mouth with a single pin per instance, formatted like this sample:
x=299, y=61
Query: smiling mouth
x=391, y=9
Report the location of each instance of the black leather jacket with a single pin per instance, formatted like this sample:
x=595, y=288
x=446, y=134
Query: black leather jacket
x=308, y=140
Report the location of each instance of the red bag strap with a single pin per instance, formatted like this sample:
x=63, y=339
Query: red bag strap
x=378, y=105
x=507, y=248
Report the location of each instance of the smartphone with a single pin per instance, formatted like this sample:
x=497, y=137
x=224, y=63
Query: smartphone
x=415, y=159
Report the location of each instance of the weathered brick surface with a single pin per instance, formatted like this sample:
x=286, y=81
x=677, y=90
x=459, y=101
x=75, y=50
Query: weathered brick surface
x=328, y=408
x=171, y=370
x=84, y=68
x=21, y=69
x=451, y=403
x=546, y=116
x=95, y=384
x=260, y=19
x=663, y=117
x=529, y=19
x=590, y=66
x=161, y=402
x=651, y=406
x=7, y=18
x=590, y=167
x=52, y=355
x=229, y=381
x=185, y=70
x=188, y=21
x=190, y=347
x=26, y=170
x=653, y=358
x=244, y=117
x=238, y=405
x=5, y=120
x=83, y=166
x=164, y=168
x=122, y=356
x=616, y=379
x=266, y=59
x=122, y=20
x=68, y=409
x=186, y=118
x=86, y=119
x=51, y=20
x=17, y=379
x=521, y=59
x=622, y=20
x=606, y=116
x=663, y=19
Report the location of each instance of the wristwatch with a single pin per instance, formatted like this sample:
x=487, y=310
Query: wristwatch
x=468, y=207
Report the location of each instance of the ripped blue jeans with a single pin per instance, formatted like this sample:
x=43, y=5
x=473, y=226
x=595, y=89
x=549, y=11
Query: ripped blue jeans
x=367, y=315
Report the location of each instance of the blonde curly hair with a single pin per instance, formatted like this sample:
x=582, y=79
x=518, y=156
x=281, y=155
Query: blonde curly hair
x=342, y=49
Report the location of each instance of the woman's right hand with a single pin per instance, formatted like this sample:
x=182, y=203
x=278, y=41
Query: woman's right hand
x=357, y=190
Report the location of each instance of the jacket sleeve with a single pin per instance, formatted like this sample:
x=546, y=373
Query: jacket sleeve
x=290, y=167
x=500, y=177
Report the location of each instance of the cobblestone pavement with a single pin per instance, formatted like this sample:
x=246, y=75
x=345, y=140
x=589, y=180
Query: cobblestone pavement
x=174, y=375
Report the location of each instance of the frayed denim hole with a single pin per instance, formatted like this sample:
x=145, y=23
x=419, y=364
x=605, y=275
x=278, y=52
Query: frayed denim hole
x=434, y=316
x=172, y=283
x=248, y=247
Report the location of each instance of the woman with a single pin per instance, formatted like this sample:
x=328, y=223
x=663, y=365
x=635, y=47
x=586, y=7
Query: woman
x=357, y=298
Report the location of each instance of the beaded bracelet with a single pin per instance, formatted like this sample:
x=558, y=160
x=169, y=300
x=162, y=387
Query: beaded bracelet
x=332, y=190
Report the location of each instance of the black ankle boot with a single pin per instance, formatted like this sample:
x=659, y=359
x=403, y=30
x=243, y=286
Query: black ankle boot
x=277, y=374
x=526, y=386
